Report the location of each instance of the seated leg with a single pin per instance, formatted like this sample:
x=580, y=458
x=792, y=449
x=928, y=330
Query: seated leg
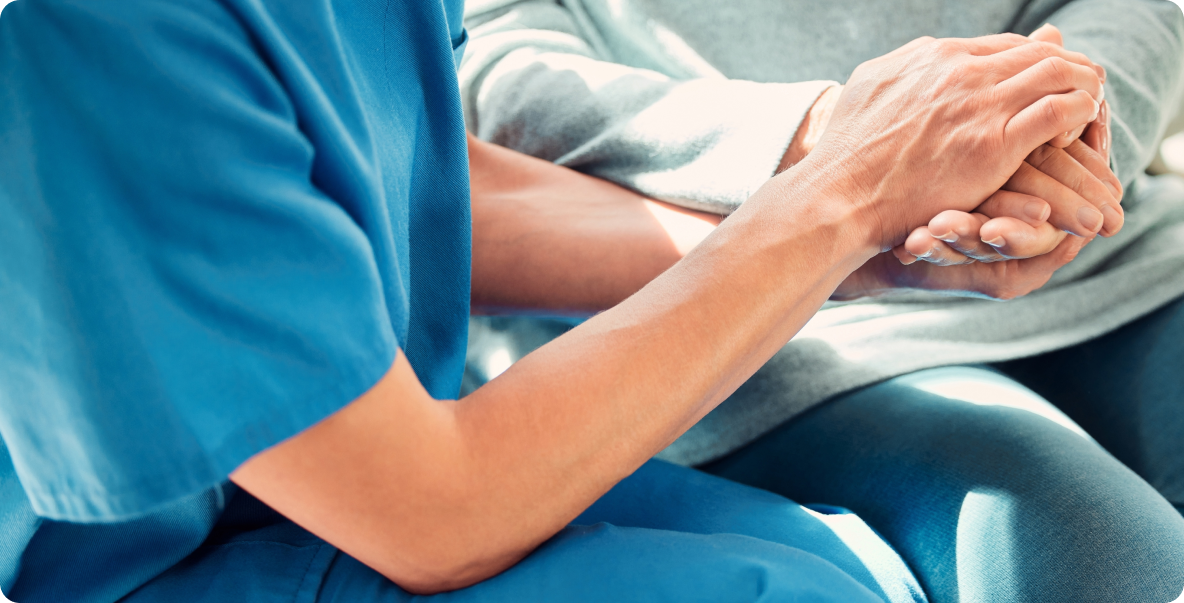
x=986, y=502
x=665, y=533
x=1127, y=390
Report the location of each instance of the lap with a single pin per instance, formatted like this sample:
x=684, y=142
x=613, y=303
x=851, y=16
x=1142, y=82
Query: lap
x=665, y=533
x=1127, y=390
x=669, y=533
x=986, y=501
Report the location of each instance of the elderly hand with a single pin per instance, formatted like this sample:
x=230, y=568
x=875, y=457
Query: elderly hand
x=1082, y=195
x=969, y=111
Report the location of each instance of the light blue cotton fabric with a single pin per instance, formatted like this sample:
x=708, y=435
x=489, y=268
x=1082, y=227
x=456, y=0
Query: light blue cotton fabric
x=221, y=218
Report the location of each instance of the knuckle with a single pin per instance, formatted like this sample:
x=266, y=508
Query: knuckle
x=1043, y=50
x=1054, y=111
x=949, y=46
x=1041, y=155
x=1014, y=38
x=1058, y=71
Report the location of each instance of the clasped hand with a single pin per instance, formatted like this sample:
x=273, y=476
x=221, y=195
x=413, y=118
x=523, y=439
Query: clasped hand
x=1062, y=195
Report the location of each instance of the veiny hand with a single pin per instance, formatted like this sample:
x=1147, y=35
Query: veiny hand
x=1077, y=180
x=943, y=124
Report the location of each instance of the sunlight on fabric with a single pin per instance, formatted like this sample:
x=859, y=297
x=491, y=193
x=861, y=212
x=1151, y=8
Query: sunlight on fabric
x=497, y=362
x=594, y=74
x=872, y=551
x=985, y=554
x=1172, y=151
x=984, y=388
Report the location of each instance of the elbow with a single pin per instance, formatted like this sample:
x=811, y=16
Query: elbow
x=435, y=574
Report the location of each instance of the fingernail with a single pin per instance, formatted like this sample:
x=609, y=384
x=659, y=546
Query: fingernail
x=1090, y=218
x=1037, y=210
x=996, y=242
x=1114, y=190
x=926, y=254
x=1101, y=72
x=1113, y=217
x=1097, y=109
x=948, y=237
x=1102, y=94
x=1105, y=114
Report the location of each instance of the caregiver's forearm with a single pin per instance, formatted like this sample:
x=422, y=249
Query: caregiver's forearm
x=438, y=495
x=546, y=238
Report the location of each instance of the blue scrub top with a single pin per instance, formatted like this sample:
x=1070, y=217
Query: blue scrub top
x=221, y=218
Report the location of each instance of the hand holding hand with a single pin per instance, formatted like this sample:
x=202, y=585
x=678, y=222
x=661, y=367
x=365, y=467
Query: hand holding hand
x=943, y=124
x=1055, y=191
x=1075, y=178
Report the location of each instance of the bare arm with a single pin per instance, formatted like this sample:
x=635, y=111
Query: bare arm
x=441, y=494
x=550, y=238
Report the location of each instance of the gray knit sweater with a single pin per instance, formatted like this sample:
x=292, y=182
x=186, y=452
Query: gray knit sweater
x=695, y=101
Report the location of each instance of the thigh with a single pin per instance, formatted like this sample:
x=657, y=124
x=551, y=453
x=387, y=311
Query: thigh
x=664, y=533
x=1127, y=390
x=987, y=502
x=603, y=562
x=669, y=533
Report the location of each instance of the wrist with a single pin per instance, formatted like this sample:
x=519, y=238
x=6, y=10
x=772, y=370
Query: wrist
x=827, y=205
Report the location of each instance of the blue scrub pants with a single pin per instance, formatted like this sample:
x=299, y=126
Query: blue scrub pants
x=984, y=489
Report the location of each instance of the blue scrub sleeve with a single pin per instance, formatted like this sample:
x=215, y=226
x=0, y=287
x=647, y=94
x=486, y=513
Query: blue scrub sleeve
x=177, y=292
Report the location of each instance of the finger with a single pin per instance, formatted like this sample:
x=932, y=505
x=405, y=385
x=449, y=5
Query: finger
x=1000, y=280
x=1047, y=117
x=1032, y=210
x=1063, y=140
x=903, y=255
x=921, y=245
x=1048, y=33
x=1093, y=136
x=1020, y=277
x=993, y=44
x=1016, y=239
x=1097, y=135
x=960, y=231
x=1070, y=211
x=1065, y=252
x=1051, y=76
x=1063, y=167
x=1012, y=61
x=1097, y=164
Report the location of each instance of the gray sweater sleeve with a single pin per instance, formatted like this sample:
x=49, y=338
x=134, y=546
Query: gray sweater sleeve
x=1141, y=45
x=536, y=79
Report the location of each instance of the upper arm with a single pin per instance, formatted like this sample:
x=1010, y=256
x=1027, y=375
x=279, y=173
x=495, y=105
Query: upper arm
x=179, y=294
